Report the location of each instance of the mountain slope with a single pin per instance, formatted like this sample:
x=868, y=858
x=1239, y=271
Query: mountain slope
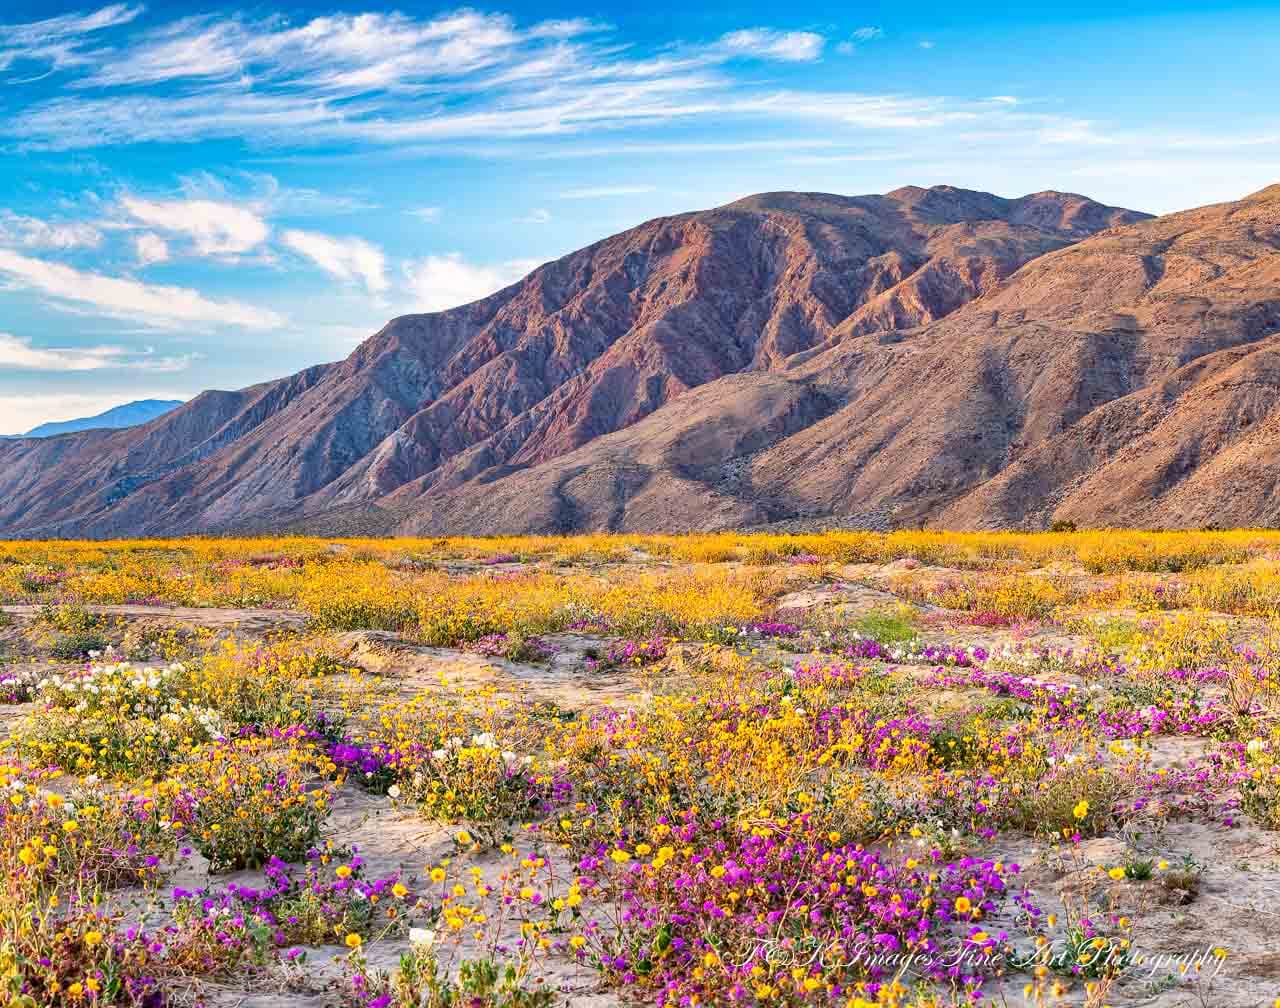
x=582, y=347
x=126, y=415
x=1132, y=378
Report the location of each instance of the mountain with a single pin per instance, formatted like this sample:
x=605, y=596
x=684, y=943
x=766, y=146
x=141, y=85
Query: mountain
x=930, y=355
x=127, y=415
x=1132, y=378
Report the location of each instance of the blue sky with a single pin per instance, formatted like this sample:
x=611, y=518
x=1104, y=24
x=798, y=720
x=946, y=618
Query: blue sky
x=205, y=196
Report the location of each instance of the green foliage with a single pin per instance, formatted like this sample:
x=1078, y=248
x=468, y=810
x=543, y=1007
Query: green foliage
x=76, y=631
x=1090, y=953
x=419, y=982
x=524, y=649
x=1139, y=869
x=888, y=626
x=1114, y=636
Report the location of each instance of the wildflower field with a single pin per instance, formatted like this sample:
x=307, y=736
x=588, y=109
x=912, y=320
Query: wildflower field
x=855, y=769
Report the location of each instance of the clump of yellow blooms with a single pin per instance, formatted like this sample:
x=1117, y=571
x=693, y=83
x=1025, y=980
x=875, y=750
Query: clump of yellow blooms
x=248, y=800
x=1189, y=639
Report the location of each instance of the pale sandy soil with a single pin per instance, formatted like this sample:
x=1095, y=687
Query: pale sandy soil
x=246, y=620
x=390, y=840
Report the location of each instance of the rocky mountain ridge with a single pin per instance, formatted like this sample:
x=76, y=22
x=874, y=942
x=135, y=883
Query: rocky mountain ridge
x=931, y=355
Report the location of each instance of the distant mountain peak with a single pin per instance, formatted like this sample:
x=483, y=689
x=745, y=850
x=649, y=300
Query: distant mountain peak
x=129, y=414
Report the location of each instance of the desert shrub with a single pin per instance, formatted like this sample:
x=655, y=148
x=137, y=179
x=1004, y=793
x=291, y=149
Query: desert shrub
x=708, y=551
x=247, y=801
x=1111, y=636
x=476, y=782
x=762, y=553
x=120, y=720
x=1182, y=640
x=1182, y=880
x=419, y=981
x=1068, y=797
x=76, y=631
x=888, y=626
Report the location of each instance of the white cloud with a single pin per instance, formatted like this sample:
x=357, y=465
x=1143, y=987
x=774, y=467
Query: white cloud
x=216, y=229
x=428, y=214
x=661, y=148
x=1003, y=99
x=264, y=195
x=350, y=53
x=66, y=26
x=150, y=248
x=36, y=233
x=1078, y=132
x=567, y=28
x=348, y=259
x=18, y=353
x=147, y=304
x=463, y=81
x=387, y=79
x=608, y=97
x=926, y=44
x=868, y=111
x=182, y=49
x=603, y=192
x=446, y=281
x=851, y=157
x=767, y=43
x=536, y=216
x=868, y=33
x=57, y=41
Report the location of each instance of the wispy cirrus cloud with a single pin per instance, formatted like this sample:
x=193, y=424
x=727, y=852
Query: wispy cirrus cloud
x=766, y=43
x=58, y=42
x=227, y=110
x=543, y=109
x=468, y=77
x=34, y=232
x=879, y=112
x=860, y=36
x=21, y=354
x=389, y=78
x=124, y=297
x=344, y=53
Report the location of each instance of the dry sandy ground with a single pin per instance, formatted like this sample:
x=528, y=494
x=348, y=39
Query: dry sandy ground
x=248, y=621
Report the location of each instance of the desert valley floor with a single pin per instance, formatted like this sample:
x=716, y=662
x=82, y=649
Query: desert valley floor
x=852, y=769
